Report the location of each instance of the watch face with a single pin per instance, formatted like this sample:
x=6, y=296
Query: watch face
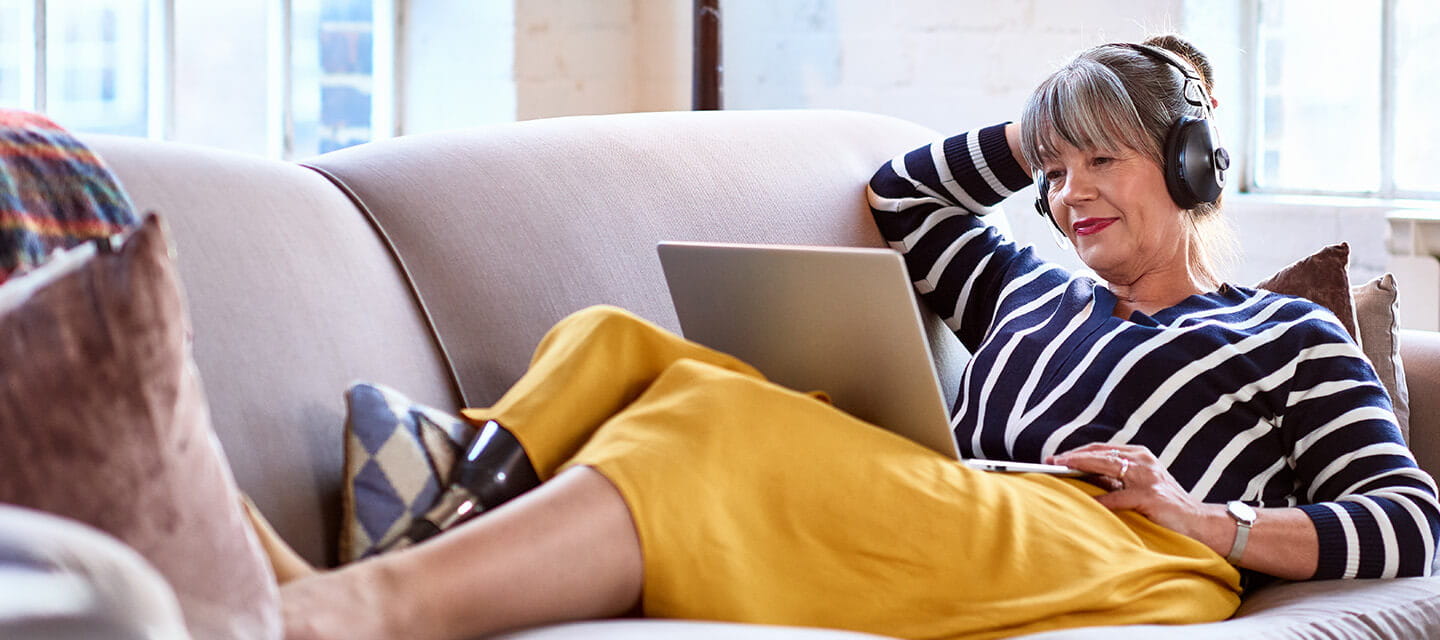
x=1241, y=511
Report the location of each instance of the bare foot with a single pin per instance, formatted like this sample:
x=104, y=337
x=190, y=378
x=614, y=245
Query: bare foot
x=350, y=603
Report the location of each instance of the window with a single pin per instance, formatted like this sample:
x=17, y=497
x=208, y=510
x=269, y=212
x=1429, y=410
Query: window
x=88, y=64
x=1343, y=92
x=342, y=71
x=97, y=65
x=120, y=67
x=17, y=52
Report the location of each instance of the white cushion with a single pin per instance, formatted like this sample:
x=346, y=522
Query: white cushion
x=63, y=579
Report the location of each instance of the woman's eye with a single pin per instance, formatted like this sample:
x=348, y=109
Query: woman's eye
x=1099, y=160
x=1054, y=176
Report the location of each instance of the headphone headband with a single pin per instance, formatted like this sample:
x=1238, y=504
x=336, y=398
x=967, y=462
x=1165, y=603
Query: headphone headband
x=1194, y=89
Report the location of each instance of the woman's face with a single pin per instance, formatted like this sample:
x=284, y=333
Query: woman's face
x=1115, y=209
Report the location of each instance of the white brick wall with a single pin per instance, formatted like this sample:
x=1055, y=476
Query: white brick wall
x=575, y=57
x=458, y=64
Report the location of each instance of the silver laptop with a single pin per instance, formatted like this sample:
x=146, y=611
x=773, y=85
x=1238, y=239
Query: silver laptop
x=840, y=320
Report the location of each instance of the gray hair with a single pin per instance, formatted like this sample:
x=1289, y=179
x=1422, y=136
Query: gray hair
x=1114, y=97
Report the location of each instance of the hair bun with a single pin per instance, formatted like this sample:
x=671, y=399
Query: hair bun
x=1192, y=54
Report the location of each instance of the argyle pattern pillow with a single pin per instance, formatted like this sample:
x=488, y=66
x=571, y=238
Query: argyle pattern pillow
x=397, y=456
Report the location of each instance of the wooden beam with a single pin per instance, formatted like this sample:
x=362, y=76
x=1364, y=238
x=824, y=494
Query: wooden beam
x=707, y=92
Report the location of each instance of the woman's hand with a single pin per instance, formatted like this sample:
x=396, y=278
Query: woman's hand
x=1139, y=482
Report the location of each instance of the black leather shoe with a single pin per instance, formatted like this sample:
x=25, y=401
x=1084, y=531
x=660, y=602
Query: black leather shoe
x=494, y=469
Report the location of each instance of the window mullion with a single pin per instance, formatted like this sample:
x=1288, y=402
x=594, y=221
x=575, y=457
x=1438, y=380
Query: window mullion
x=1254, y=98
x=37, y=101
x=1388, y=61
x=281, y=121
x=161, y=76
x=383, y=70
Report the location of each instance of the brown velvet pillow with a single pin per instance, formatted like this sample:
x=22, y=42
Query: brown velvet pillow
x=1376, y=314
x=1322, y=278
x=104, y=421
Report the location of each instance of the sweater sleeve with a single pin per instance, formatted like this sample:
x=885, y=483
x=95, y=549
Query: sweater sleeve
x=925, y=202
x=1374, y=509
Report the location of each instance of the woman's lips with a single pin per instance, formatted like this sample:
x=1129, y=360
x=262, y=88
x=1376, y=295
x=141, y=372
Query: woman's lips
x=1089, y=226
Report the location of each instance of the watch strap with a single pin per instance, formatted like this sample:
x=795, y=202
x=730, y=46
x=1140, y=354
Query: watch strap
x=1242, y=536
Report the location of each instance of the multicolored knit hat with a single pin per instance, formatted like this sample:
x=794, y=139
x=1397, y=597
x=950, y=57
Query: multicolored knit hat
x=54, y=192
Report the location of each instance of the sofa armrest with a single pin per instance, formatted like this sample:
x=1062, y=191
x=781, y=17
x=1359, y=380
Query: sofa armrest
x=1420, y=351
x=65, y=580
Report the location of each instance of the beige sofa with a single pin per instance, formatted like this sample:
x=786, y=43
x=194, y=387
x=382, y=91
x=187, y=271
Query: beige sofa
x=434, y=263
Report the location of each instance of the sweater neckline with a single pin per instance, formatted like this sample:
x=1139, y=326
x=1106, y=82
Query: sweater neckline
x=1106, y=301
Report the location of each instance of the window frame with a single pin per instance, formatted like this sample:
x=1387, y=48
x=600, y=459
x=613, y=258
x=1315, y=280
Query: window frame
x=160, y=90
x=160, y=82
x=1386, y=86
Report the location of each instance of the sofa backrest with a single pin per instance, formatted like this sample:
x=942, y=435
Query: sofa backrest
x=505, y=230
x=292, y=296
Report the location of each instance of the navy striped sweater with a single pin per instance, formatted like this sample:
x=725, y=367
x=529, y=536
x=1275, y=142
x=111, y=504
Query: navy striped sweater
x=1243, y=394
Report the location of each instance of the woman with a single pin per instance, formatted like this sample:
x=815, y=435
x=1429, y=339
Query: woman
x=679, y=481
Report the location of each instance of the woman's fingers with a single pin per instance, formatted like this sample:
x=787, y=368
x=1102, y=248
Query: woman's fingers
x=1122, y=500
x=1112, y=462
x=1137, y=482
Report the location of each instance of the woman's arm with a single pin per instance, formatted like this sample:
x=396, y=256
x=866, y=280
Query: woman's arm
x=1367, y=510
x=924, y=204
x=1374, y=510
x=1012, y=136
x=1282, y=542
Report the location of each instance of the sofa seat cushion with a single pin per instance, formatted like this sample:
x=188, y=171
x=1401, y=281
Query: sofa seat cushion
x=1398, y=609
x=686, y=629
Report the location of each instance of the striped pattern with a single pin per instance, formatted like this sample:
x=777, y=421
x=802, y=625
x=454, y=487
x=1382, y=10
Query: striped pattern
x=54, y=192
x=1242, y=394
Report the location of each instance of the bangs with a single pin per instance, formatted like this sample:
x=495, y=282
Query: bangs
x=1086, y=106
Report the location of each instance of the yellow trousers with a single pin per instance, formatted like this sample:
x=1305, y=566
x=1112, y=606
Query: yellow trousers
x=754, y=503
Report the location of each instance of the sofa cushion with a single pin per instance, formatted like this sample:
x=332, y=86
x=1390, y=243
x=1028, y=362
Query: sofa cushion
x=689, y=630
x=515, y=226
x=63, y=580
x=1323, y=278
x=1377, y=314
x=398, y=454
x=54, y=193
x=104, y=421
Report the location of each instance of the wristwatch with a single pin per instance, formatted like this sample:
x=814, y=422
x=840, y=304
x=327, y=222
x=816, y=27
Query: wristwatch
x=1244, y=517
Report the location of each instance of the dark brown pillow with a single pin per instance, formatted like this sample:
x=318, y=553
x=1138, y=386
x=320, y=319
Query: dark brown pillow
x=1322, y=278
x=104, y=421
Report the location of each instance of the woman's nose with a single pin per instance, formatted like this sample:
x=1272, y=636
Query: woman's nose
x=1077, y=188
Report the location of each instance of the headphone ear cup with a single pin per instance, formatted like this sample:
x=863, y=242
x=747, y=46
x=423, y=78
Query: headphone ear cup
x=1042, y=199
x=1193, y=173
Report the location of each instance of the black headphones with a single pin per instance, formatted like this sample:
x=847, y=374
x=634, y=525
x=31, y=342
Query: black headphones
x=1195, y=163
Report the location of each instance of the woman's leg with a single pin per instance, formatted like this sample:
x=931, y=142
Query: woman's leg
x=590, y=365
x=565, y=551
